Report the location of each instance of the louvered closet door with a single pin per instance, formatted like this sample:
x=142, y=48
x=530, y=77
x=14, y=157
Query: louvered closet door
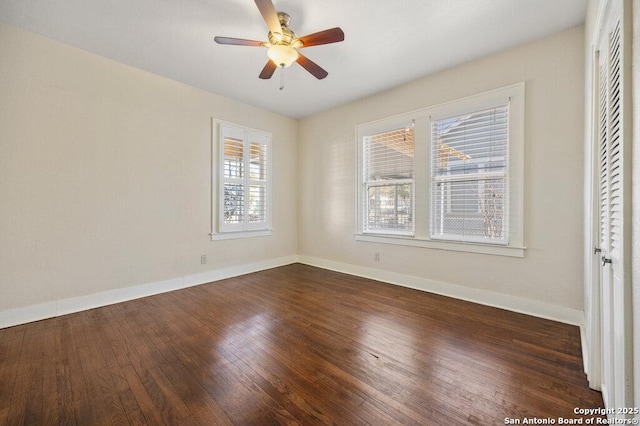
x=605, y=272
x=615, y=309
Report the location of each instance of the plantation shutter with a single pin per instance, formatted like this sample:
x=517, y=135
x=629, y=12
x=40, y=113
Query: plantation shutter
x=244, y=179
x=257, y=208
x=233, y=180
x=388, y=169
x=469, y=176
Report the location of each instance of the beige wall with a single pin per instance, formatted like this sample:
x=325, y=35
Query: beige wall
x=105, y=175
x=551, y=271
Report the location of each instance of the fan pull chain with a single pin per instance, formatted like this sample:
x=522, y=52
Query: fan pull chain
x=281, y=76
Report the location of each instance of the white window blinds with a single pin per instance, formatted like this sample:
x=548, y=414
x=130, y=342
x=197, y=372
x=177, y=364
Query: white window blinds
x=469, y=176
x=388, y=181
x=448, y=177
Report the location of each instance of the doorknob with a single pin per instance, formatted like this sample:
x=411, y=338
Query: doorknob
x=605, y=261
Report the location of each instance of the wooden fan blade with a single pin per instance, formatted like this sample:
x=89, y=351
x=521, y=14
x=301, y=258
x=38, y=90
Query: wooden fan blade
x=268, y=70
x=270, y=16
x=238, y=41
x=332, y=35
x=315, y=69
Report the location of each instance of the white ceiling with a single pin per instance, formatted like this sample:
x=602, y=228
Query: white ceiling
x=386, y=43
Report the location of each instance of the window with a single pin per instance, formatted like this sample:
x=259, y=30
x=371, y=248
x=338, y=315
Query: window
x=244, y=194
x=448, y=176
x=388, y=181
x=469, y=176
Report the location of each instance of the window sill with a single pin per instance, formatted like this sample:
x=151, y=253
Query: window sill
x=444, y=245
x=240, y=234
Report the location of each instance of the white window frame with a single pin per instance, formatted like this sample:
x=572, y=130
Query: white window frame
x=222, y=230
x=515, y=95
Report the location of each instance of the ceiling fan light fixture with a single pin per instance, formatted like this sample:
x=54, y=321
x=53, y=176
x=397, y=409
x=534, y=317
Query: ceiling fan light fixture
x=282, y=55
x=283, y=42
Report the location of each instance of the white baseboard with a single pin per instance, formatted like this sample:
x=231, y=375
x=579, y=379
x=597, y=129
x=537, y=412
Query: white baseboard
x=82, y=303
x=483, y=297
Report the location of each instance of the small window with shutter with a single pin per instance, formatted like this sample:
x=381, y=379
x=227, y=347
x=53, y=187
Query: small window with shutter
x=244, y=195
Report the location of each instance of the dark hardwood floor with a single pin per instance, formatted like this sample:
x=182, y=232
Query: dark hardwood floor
x=291, y=345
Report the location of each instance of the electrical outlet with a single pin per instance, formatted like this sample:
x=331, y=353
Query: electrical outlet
x=203, y=259
x=376, y=256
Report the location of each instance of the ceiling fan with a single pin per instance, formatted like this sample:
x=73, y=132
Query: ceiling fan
x=283, y=42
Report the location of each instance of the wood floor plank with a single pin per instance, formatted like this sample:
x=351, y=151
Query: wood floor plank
x=10, y=346
x=157, y=386
x=85, y=412
x=49, y=389
x=291, y=345
x=22, y=408
x=164, y=353
x=63, y=387
x=227, y=385
x=144, y=401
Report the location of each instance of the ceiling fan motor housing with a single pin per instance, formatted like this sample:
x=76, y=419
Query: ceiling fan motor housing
x=288, y=36
x=284, y=19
